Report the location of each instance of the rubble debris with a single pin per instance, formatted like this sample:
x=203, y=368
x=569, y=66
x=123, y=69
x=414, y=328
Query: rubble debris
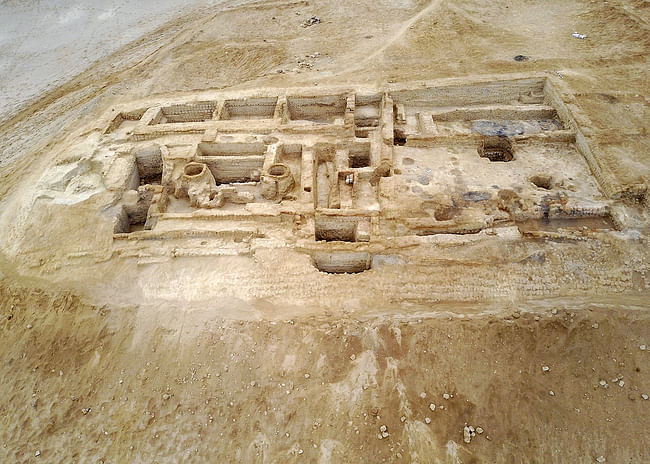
x=468, y=433
x=311, y=21
x=579, y=36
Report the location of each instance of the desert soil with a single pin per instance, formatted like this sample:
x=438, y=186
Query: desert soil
x=550, y=380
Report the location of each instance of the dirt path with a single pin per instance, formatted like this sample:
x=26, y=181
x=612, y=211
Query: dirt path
x=428, y=10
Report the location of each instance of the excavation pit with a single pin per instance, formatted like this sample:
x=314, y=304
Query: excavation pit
x=321, y=109
x=231, y=149
x=542, y=181
x=149, y=164
x=342, y=262
x=367, y=110
x=496, y=149
x=399, y=139
x=335, y=228
x=359, y=156
x=192, y=112
x=129, y=119
x=232, y=162
x=249, y=108
x=568, y=223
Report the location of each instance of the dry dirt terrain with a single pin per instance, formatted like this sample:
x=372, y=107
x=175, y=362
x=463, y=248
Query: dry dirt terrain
x=474, y=314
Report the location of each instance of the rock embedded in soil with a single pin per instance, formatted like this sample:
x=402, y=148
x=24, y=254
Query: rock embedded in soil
x=467, y=435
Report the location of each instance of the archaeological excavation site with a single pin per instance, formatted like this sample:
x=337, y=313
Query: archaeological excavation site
x=285, y=231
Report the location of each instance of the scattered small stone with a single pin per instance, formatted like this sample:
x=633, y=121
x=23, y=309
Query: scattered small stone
x=383, y=428
x=353, y=357
x=595, y=326
x=545, y=368
x=37, y=453
x=307, y=376
x=551, y=392
x=600, y=459
x=311, y=21
x=86, y=411
x=432, y=407
x=423, y=395
x=621, y=383
x=554, y=311
x=166, y=396
x=467, y=435
x=384, y=434
x=427, y=420
x=29, y=326
x=479, y=430
x=402, y=419
x=446, y=396
x=74, y=398
x=300, y=451
x=521, y=58
x=442, y=406
x=537, y=318
x=643, y=347
x=602, y=383
x=644, y=396
x=579, y=36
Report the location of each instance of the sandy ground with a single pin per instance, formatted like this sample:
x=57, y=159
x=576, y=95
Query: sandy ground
x=88, y=384
x=48, y=43
x=243, y=381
